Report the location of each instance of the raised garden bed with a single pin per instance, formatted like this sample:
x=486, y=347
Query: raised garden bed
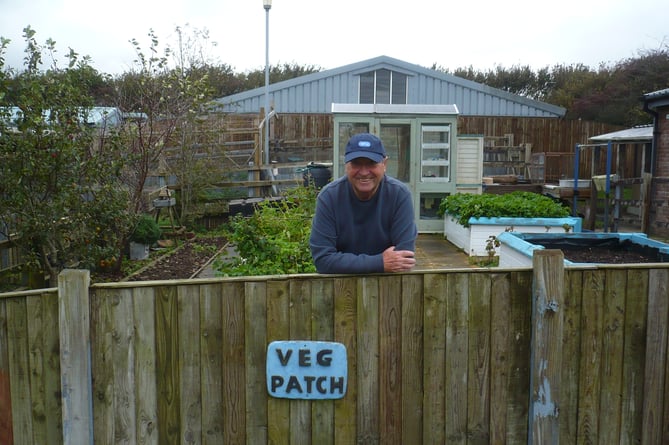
x=474, y=239
x=472, y=222
x=516, y=249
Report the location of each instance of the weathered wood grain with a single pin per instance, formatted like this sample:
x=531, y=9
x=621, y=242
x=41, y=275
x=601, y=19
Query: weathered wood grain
x=75, y=364
x=300, y=329
x=436, y=396
x=656, y=357
x=19, y=369
x=167, y=364
x=455, y=290
x=255, y=348
x=345, y=327
x=368, y=360
x=322, y=329
x=500, y=370
x=278, y=328
x=546, y=349
x=189, y=364
x=390, y=359
x=146, y=394
x=478, y=380
x=635, y=325
x=412, y=359
x=234, y=362
x=590, y=357
x=437, y=357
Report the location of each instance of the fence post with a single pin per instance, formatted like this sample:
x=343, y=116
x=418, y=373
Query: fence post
x=546, y=349
x=75, y=357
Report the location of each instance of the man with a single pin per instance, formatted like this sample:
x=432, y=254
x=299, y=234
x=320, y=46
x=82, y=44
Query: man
x=364, y=221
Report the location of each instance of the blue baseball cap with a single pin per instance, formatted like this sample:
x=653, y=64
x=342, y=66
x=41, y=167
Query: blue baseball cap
x=365, y=145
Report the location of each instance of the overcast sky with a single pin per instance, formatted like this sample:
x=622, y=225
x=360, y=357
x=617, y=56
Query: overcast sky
x=482, y=34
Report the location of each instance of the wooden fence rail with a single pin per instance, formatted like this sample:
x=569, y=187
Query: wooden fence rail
x=471, y=356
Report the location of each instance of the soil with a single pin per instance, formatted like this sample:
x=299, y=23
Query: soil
x=607, y=256
x=185, y=261
x=182, y=263
x=192, y=255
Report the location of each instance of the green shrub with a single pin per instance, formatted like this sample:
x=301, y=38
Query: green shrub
x=274, y=240
x=147, y=231
x=516, y=204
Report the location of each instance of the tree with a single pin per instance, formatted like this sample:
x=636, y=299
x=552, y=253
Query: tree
x=61, y=200
x=175, y=139
x=168, y=99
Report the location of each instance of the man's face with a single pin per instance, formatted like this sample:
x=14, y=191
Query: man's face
x=365, y=176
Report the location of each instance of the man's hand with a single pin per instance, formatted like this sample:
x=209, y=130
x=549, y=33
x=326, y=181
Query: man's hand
x=398, y=260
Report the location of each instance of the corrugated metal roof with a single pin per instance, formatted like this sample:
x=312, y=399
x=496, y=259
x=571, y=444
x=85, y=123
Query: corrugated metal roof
x=316, y=92
x=637, y=134
x=658, y=93
x=657, y=99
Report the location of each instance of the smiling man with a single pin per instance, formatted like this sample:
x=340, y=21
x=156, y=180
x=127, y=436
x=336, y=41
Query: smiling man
x=364, y=221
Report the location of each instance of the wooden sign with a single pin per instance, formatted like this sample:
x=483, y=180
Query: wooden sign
x=306, y=370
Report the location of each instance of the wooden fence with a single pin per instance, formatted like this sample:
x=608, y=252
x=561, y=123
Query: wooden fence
x=471, y=356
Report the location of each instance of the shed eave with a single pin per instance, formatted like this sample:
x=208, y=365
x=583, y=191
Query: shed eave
x=448, y=109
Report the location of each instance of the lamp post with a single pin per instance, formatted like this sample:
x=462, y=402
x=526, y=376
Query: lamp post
x=267, y=4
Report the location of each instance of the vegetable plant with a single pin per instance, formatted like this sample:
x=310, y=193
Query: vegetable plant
x=464, y=206
x=274, y=240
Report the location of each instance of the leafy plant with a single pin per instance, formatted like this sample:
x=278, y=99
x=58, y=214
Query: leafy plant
x=147, y=231
x=464, y=206
x=274, y=240
x=62, y=202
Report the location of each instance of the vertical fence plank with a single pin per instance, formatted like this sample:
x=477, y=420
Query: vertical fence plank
x=656, y=357
x=123, y=360
x=19, y=370
x=478, y=381
x=590, y=356
x=6, y=433
x=520, y=314
x=75, y=357
x=300, y=329
x=345, y=304
x=211, y=339
x=547, y=334
x=613, y=323
x=102, y=364
x=455, y=290
x=500, y=369
x=53, y=402
x=322, y=329
x=278, y=328
x=437, y=361
x=255, y=322
x=234, y=363
x=167, y=365
x=188, y=306
x=571, y=349
x=390, y=359
x=636, y=312
x=36, y=350
x=146, y=396
x=412, y=359
x=368, y=364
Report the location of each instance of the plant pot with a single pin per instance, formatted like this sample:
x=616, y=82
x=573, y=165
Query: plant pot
x=138, y=251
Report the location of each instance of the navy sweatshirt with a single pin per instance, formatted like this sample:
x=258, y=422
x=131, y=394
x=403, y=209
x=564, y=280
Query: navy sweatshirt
x=349, y=235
